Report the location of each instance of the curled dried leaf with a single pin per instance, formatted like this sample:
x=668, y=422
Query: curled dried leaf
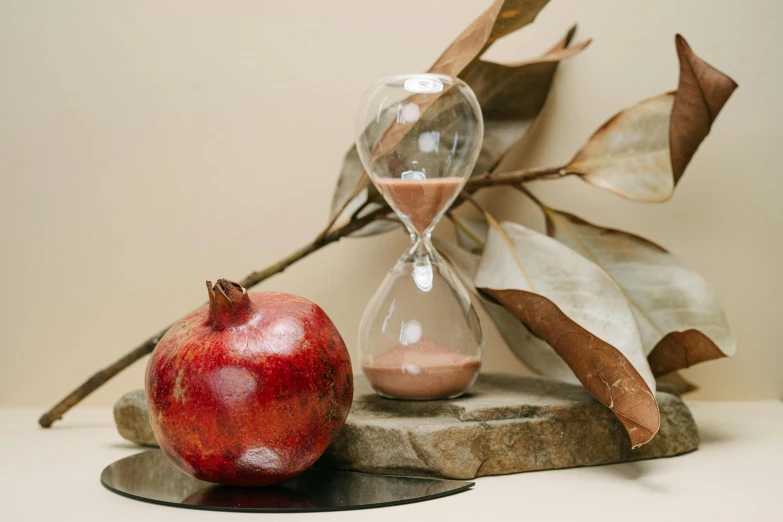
x=533, y=351
x=512, y=96
x=572, y=305
x=501, y=18
x=678, y=350
x=678, y=313
x=642, y=152
x=675, y=384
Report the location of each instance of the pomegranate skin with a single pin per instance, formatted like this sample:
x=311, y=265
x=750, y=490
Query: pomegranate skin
x=249, y=390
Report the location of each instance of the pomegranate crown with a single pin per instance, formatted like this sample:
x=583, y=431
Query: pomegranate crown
x=229, y=304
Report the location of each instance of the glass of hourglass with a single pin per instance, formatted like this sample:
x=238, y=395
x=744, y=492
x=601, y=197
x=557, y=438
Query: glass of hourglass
x=418, y=137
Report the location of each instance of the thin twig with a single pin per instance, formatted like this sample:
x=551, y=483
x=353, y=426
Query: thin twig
x=514, y=177
x=465, y=230
x=530, y=195
x=324, y=238
x=470, y=199
x=359, y=210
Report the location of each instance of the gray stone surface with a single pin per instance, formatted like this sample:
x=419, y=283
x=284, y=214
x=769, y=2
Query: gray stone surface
x=507, y=424
x=133, y=418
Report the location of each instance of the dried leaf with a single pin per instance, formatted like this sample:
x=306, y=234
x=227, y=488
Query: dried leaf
x=684, y=349
x=523, y=87
x=679, y=316
x=512, y=96
x=675, y=384
x=501, y=18
x=518, y=91
x=533, y=351
x=572, y=304
x=642, y=152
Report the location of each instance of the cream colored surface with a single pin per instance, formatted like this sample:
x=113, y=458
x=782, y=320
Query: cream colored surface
x=733, y=476
x=148, y=146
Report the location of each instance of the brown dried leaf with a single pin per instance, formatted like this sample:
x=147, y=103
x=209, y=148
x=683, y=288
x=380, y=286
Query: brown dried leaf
x=680, y=350
x=675, y=384
x=642, y=152
x=571, y=304
x=533, y=351
x=512, y=96
x=515, y=91
x=353, y=186
x=679, y=316
x=501, y=18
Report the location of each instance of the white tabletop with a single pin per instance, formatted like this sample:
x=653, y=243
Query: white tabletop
x=736, y=475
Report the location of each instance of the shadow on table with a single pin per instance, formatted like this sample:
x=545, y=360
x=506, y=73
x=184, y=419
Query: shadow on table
x=710, y=436
x=79, y=426
x=637, y=472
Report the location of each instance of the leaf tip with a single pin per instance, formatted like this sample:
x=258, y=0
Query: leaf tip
x=570, y=35
x=681, y=42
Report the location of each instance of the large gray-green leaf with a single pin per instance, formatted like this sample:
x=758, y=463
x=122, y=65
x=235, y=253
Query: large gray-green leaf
x=641, y=152
x=575, y=307
x=679, y=316
x=533, y=351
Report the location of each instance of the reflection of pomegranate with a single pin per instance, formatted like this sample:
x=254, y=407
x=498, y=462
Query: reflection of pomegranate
x=271, y=497
x=249, y=390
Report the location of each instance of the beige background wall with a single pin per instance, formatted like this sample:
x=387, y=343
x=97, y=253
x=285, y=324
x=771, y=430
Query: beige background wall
x=147, y=146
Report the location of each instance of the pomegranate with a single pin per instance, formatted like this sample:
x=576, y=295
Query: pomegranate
x=250, y=389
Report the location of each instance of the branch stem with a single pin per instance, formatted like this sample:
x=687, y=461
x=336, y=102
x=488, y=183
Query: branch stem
x=323, y=239
x=514, y=177
x=145, y=348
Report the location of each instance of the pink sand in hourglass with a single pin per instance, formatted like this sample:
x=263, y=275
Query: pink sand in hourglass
x=419, y=200
x=425, y=369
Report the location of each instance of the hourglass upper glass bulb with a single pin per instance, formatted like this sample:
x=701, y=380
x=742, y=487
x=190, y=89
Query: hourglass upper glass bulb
x=418, y=138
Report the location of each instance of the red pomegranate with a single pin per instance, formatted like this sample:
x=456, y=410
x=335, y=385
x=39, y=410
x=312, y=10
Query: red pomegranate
x=250, y=389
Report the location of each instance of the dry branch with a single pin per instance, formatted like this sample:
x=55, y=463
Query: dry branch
x=355, y=224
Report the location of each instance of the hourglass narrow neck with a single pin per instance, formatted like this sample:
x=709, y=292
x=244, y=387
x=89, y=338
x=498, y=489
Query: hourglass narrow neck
x=422, y=256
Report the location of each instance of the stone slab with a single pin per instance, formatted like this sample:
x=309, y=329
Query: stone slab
x=506, y=424
x=132, y=417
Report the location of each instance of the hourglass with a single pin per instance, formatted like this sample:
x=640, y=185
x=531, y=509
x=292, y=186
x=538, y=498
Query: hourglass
x=418, y=138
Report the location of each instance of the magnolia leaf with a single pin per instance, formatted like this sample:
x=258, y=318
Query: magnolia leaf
x=514, y=91
x=533, y=351
x=642, y=152
x=512, y=96
x=501, y=18
x=679, y=316
x=675, y=384
x=575, y=307
x=523, y=87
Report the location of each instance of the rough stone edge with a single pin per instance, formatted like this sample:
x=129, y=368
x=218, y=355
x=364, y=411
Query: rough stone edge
x=450, y=452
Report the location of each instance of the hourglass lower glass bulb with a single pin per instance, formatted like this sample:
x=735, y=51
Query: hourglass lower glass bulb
x=418, y=138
